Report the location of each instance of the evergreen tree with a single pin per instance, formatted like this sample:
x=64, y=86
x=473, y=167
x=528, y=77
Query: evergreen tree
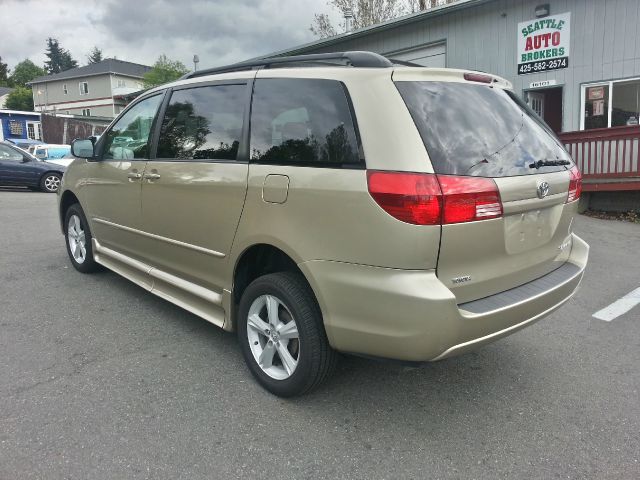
x=67, y=62
x=24, y=72
x=4, y=73
x=94, y=56
x=59, y=59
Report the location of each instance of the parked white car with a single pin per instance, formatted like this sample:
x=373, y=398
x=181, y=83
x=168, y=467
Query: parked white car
x=52, y=153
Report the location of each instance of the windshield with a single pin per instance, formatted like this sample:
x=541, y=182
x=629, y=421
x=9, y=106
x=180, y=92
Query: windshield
x=480, y=130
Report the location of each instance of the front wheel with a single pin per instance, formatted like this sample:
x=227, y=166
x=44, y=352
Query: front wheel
x=50, y=182
x=78, y=240
x=282, y=336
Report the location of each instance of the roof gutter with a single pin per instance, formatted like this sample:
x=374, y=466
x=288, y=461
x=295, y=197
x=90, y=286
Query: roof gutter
x=47, y=80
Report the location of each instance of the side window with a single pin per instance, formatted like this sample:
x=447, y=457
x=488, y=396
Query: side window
x=203, y=123
x=7, y=153
x=302, y=122
x=129, y=136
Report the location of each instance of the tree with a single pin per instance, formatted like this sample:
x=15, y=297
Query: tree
x=4, y=73
x=21, y=98
x=94, y=56
x=369, y=12
x=59, y=59
x=24, y=72
x=365, y=13
x=163, y=71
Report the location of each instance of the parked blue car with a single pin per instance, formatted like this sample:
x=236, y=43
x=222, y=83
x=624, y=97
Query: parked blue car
x=20, y=168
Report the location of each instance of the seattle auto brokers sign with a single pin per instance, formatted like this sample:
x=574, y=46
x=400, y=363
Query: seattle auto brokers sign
x=543, y=44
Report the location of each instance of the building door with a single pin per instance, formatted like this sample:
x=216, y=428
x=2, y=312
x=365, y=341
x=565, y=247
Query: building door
x=547, y=103
x=536, y=102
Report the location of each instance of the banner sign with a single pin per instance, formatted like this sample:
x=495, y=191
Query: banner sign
x=543, y=44
x=595, y=93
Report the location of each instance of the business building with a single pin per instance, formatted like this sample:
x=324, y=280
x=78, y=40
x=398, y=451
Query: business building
x=95, y=90
x=21, y=128
x=575, y=62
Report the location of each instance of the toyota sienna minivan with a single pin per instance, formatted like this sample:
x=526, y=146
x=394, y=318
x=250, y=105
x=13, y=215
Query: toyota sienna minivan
x=333, y=203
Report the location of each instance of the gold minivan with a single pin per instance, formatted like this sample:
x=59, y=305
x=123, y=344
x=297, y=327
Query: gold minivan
x=333, y=203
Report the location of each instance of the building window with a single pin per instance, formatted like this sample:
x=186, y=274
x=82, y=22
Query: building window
x=84, y=88
x=33, y=130
x=121, y=83
x=86, y=112
x=611, y=104
x=64, y=89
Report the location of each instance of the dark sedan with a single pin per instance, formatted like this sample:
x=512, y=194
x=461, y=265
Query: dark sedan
x=21, y=169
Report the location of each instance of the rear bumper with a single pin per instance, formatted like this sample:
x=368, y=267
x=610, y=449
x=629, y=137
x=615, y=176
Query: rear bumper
x=410, y=315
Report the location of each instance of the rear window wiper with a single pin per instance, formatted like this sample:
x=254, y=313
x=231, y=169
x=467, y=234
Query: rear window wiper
x=549, y=163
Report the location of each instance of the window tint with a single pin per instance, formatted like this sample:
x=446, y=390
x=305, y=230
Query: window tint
x=129, y=136
x=203, y=123
x=479, y=130
x=300, y=121
x=8, y=153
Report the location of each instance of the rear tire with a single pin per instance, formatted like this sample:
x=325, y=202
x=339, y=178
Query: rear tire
x=50, y=182
x=282, y=335
x=78, y=240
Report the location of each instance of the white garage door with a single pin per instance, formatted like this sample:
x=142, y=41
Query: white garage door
x=430, y=56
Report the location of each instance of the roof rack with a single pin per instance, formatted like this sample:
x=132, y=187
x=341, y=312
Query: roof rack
x=353, y=59
x=404, y=63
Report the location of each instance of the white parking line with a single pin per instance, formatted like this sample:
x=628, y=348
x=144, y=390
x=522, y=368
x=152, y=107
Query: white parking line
x=619, y=307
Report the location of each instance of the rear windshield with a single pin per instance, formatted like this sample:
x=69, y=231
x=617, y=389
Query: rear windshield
x=480, y=130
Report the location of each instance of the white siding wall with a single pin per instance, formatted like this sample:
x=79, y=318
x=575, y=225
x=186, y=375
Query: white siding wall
x=605, y=43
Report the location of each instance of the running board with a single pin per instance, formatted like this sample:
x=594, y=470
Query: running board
x=196, y=299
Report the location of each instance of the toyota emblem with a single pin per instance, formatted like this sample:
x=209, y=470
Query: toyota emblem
x=543, y=189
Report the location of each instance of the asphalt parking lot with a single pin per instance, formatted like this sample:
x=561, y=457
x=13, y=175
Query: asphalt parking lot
x=100, y=379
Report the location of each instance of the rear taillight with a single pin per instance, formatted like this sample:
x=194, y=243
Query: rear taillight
x=427, y=199
x=575, y=184
x=467, y=199
x=411, y=197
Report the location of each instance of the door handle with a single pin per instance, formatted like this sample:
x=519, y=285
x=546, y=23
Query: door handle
x=151, y=176
x=134, y=175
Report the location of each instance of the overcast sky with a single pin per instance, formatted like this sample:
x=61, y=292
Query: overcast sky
x=219, y=31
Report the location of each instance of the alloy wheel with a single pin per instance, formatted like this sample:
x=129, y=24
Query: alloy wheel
x=273, y=337
x=52, y=183
x=77, y=239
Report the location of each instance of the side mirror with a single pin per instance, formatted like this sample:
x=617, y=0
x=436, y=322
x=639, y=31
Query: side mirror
x=82, y=148
x=25, y=159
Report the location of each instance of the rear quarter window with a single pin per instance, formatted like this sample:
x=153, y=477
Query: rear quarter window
x=303, y=122
x=479, y=130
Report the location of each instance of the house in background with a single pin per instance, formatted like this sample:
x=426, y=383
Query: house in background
x=93, y=90
x=4, y=93
x=20, y=127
